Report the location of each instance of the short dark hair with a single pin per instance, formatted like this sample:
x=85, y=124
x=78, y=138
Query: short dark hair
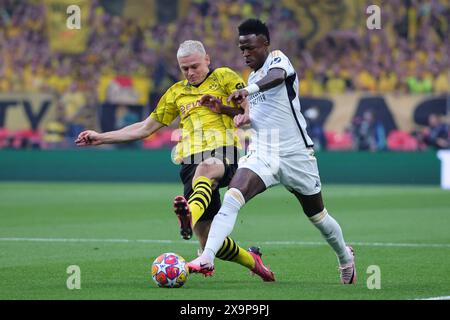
x=254, y=26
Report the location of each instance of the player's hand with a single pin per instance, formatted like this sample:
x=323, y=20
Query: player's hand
x=213, y=103
x=241, y=120
x=238, y=96
x=88, y=138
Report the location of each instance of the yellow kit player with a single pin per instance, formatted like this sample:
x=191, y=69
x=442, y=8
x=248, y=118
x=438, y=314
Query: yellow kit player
x=208, y=148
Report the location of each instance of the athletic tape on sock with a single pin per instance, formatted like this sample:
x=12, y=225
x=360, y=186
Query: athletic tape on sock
x=317, y=218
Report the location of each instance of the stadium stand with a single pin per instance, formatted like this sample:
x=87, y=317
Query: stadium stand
x=122, y=54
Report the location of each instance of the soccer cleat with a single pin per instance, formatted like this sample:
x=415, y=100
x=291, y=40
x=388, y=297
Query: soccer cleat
x=181, y=208
x=348, y=271
x=260, y=269
x=201, y=265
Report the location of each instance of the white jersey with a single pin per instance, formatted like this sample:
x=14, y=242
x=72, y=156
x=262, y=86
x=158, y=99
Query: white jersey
x=275, y=113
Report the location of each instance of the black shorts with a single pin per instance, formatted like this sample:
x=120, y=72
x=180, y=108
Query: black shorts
x=229, y=156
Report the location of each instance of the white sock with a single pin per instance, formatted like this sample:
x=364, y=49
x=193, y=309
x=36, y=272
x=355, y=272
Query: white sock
x=332, y=233
x=223, y=222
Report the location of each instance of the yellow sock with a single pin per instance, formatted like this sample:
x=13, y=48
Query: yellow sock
x=200, y=198
x=230, y=251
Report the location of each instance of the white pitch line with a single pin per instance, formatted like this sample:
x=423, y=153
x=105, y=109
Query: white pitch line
x=294, y=243
x=435, y=298
x=91, y=240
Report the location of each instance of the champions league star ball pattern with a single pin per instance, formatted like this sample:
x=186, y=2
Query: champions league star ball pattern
x=169, y=270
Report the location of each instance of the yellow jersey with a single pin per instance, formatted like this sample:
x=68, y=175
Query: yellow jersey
x=201, y=129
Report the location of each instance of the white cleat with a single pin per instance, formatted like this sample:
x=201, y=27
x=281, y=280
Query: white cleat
x=348, y=270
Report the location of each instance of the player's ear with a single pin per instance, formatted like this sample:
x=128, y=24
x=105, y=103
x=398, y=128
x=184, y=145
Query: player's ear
x=207, y=59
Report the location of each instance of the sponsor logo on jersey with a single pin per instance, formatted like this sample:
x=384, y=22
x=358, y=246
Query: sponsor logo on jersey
x=317, y=186
x=256, y=98
x=185, y=108
x=240, y=85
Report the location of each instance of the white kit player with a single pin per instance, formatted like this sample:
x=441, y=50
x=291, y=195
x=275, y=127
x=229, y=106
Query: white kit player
x=280, y=151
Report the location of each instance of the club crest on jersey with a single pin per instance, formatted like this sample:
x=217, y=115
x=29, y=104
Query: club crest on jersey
x=276, y=60
x=213, y=86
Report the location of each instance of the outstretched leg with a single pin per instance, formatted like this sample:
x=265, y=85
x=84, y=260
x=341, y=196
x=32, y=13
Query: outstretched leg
x=205, y=201
x=201, y=188
x=244, y=186
x=316, y=212
x=230, y=250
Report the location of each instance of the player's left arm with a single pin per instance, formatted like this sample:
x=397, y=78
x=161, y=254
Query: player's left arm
x=280, y=68
x=273, y=78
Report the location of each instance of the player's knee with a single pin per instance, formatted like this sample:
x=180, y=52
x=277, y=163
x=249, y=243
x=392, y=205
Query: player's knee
x=248, y=183
x=311, y=204
x=312, y=208
x=243, y=189
x=236, y=194
x=210, y=168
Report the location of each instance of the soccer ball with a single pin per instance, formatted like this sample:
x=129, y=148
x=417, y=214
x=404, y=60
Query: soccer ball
x=169, y=270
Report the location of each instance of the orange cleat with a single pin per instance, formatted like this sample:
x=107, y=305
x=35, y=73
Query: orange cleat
x=181, y=208
x=201, y=265
x=260, y=269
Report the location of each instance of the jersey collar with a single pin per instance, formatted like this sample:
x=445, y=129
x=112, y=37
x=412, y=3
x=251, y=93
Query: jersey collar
x=264, y=64
x=198, y=85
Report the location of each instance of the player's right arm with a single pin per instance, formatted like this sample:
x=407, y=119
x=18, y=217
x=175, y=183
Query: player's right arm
x=163, y=115
x=135, y=131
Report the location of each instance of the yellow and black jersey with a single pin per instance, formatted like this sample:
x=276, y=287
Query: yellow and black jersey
x=202, y=129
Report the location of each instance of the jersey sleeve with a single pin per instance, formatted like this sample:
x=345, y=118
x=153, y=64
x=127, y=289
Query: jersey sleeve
x=231, y=81
x=166, y=111
x=279, y=60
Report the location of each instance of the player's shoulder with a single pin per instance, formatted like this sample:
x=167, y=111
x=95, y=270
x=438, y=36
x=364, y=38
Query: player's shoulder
x=225, y=71
x=177, y=86
x=278, y=59
x=227, y=76
x=278, y=54
x=175, y=90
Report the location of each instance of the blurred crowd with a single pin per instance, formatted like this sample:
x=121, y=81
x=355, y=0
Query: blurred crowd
x=409, y=54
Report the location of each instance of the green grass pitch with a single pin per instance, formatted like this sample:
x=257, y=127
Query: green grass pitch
x=114, y=231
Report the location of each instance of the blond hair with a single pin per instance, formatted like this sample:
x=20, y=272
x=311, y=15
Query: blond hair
x=189, y=47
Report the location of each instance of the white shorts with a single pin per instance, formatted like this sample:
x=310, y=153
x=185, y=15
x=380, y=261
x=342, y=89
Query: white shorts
x=296, y=171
